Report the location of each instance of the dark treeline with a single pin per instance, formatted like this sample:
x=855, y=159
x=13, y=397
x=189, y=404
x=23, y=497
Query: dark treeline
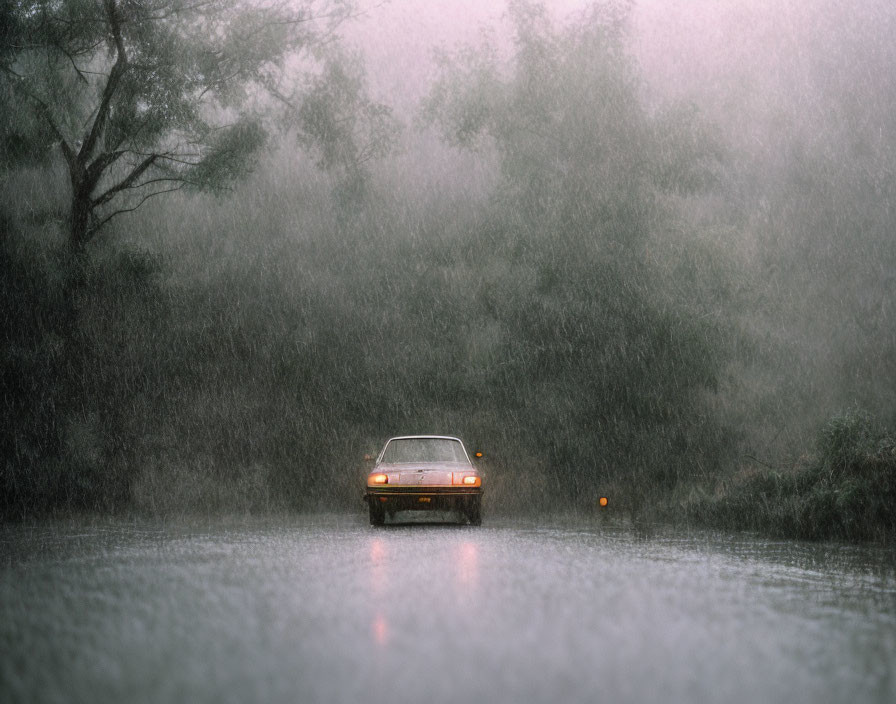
x=615, y=295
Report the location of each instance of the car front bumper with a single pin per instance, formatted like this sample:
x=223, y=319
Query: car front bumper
x=422, y=498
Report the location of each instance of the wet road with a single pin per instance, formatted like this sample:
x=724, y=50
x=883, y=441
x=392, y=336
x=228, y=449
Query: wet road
x=327, y=609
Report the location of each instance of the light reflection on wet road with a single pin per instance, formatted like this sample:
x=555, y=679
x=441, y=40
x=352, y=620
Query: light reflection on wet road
x=327, y=609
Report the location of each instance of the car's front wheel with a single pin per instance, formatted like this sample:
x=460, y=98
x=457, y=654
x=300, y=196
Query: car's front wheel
x=377, y=513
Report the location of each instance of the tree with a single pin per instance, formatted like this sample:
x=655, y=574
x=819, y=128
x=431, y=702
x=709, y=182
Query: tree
x=567, y=121
x=339, y=124
x=139, y=98
x=610, y=360
x=131, y=100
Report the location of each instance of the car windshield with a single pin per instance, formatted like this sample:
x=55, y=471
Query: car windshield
x=405, y=450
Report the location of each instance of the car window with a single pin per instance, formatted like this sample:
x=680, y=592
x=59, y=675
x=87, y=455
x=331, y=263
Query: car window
x=424, y=450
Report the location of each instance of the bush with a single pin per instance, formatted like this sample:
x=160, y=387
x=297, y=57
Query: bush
x=77, y=353
x=848, y=492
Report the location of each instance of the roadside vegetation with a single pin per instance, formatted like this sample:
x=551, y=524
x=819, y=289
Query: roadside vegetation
x=611, y=295
x=845, y=491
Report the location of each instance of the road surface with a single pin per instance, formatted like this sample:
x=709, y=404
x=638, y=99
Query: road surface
x=328, y=609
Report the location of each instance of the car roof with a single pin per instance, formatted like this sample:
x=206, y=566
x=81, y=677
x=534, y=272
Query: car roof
x=424, y=437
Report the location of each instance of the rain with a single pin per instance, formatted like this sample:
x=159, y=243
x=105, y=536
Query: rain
x=637, y=255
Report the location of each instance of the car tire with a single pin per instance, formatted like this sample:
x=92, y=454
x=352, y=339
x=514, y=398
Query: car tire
x=377, y=514
x=474, y=512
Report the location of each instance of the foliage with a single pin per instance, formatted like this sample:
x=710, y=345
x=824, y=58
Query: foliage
x=848, y=439
x=538, y=328
x=609, y=365
x=144, y=98
x=343, y=128
x=68, y=389
x=578, y=151
x=32, y=371
x=135, y=100
x=625, y=304
x=848, y=492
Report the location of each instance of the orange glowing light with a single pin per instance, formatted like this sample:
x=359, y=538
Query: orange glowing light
x=472, y=481
x=478, y=454
x=378, y=479
x=602, y=501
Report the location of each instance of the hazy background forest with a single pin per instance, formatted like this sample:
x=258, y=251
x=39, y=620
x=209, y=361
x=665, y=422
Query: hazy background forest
x=644, y=251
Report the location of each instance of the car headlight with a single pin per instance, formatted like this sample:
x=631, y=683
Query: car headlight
x=375, y=479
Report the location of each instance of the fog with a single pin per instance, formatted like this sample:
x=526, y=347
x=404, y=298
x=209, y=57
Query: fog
x=801, y=98
x=640, y=255
x=640, y=249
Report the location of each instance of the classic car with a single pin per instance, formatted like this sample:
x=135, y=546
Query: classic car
x=424, y=473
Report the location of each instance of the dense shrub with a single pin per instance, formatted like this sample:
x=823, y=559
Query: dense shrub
x=847, y=492
x=78, y=351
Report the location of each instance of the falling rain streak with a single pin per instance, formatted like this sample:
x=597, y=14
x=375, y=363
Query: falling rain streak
x=640, y=255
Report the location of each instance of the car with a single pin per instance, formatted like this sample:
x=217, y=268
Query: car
x=424, y=473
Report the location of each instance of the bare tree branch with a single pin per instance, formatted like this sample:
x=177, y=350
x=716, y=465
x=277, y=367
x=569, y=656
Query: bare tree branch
x=71, y=59
x=169, y=179
x=121, y=64
x=217, y=84
x=131, y=178
x=101, y=163
x=279, y=96
x=97, y=227
x=173, y=12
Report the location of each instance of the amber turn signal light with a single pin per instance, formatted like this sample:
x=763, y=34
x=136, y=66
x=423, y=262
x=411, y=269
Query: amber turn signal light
x=602, y=501
x=377, y=479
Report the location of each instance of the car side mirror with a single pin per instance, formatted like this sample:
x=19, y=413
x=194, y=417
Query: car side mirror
x=368, y=458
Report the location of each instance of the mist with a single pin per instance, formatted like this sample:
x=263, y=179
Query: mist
x=640, y=250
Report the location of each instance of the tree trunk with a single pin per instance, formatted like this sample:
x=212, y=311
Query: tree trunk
x=76, y=276
x=79, y=217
